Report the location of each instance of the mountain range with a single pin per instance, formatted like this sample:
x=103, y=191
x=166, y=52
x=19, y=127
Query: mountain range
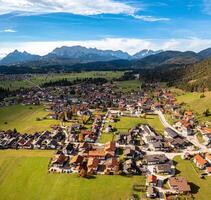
x=74, y=54
x=78, y=58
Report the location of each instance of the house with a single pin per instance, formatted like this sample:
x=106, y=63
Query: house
x=112, y=165
x=178, y=143
x=185, y=127
x=76, y=160
x=97, y=154
x=151, y=180
x=156, y=146
x=206, y=132
x=208, y=157
x=110, y=146
x=151, y=192
x=200, y=161
x=92, y=164
x=128, y=166
x=163, y=169
x=170, y=133
x=179, y=185
x=208, y=170
x=59, y=160
x=129, y=153
x=155, y=159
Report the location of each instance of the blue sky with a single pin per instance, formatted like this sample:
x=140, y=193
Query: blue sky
x=130, y=25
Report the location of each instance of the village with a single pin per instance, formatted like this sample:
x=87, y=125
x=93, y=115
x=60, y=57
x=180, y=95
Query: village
x=87, y=111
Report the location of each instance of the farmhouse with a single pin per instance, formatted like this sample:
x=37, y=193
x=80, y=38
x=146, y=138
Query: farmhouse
x=179, y=185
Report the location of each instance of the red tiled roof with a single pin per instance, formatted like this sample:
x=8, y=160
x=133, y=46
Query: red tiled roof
x=152, y=179
x=96, y=153
x=199, y=159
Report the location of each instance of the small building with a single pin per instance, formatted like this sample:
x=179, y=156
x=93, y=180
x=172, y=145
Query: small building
x=200, y=162
x=151, y=180
x=151, y=192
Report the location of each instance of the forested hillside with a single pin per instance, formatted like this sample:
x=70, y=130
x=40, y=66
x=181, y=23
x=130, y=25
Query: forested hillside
x=196, y=77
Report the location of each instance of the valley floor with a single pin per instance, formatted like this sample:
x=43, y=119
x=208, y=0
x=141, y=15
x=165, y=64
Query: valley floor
x=23, y=175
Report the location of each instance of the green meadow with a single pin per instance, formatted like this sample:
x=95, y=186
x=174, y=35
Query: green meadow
x=126, y=123
x=195, y=102
x=200, y=187
x=24, y=118
x=24, y=175
x=43, y=78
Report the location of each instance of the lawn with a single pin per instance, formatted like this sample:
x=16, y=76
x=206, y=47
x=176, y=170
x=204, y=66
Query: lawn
x=23, y=175
x=197, y=104
x=127, y=86
x=40, y=79
x=24, y=118
x=106, y=137
x=200, y=187
x=126, y=123
x=169, y=119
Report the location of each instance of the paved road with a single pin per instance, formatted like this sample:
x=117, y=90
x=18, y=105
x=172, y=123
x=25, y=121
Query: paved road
x=191, y=139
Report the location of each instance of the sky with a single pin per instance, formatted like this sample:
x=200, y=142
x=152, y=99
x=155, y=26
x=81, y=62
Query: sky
x=39, y=26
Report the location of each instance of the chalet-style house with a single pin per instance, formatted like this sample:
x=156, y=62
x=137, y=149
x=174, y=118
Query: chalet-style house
x=179, y=185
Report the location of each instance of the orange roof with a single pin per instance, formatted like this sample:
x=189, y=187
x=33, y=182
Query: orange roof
x=208, y=169
x=207, y=130
x=188, y=113
x=110, y=146
x=199, y=159
x=96, y=153
x=151, y=178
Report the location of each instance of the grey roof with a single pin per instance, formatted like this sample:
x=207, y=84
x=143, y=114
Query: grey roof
x=171, y=132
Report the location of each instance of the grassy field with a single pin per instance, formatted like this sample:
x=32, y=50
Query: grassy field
x=23, y=175
x=200, y=187
x=23, y=118
x=130, y=85
x=40, y=79
x=126, y=123
x=106, y=137
x=197, y=104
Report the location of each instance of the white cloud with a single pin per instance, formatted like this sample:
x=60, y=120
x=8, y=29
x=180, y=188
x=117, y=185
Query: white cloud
x=78, y=7
x=150, y=18
x=81, y=7
x=8, y=31
x=131, y=45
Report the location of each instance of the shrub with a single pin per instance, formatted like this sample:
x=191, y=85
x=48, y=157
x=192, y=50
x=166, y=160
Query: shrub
x=202, y=95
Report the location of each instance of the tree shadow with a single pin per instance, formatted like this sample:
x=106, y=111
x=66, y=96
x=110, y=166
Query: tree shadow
x=177, y=171
x=91, y=177
x=194, y=188
x=175, y=162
